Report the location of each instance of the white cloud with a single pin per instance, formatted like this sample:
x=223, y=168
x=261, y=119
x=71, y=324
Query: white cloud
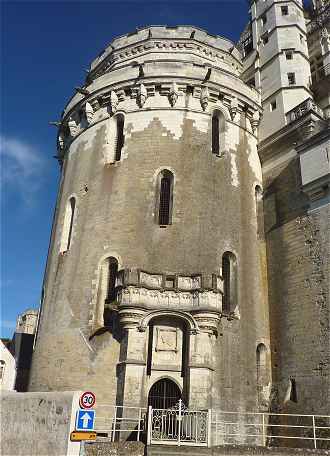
x=21, y=167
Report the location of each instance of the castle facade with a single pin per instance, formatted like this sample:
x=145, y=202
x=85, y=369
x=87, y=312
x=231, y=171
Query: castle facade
x=189, y=254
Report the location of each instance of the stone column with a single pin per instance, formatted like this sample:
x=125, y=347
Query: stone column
x=130, y=371
x=201, y=361
x=132, y=362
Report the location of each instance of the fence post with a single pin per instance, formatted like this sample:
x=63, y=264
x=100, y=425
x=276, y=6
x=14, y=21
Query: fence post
x=179, y=426
x=114, y=426
x=139, y=425
x=209, y=428
x=314, y=433
x=149, y=425
x=263, y=430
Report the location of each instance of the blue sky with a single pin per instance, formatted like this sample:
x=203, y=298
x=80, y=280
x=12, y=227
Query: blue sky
x=45, y=48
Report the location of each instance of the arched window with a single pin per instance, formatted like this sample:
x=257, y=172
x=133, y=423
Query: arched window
x=259, y=211
x=262, y=365
x=165, y=198
x=218, y=128
x=114, y=139
x=107, y=291
x=68, y=224
x=119, y=141
x=229, y=275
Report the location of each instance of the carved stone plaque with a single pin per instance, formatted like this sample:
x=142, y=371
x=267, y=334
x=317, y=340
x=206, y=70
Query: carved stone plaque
x=167, y=339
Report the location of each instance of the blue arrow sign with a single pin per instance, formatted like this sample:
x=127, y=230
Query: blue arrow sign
x=85, y=420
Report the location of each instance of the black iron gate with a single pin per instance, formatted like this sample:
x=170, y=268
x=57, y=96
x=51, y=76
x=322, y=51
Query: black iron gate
x=164, y=394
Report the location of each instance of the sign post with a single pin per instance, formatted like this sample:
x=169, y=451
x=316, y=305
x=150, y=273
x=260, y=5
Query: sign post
x=85, y=419
x=87, y=400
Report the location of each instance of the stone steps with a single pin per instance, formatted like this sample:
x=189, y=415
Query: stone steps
x=171, y=450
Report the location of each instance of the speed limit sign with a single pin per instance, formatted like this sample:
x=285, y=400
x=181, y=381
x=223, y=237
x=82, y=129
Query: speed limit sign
x=87, y=400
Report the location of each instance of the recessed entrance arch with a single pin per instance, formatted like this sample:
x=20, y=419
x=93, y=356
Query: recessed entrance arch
x=164, y=394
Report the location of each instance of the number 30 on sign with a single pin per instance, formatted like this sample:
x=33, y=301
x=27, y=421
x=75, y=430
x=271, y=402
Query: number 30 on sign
x=87, y=400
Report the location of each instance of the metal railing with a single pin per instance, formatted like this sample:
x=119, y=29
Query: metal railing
x=270, y=429
x=182, y=426
x=120, y=422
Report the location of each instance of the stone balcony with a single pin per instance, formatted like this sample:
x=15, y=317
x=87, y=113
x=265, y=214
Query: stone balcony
x=140, y=293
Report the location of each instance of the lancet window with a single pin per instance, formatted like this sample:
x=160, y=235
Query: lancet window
x=229, y=274
x=165, y=204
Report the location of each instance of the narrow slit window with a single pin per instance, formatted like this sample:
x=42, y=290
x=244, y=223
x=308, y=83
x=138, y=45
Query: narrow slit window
x=229, y=275
x=119, y=137
x=112, y=277
x=293, y=391
x=218, y=128
x=68, y=224
x=165, y=198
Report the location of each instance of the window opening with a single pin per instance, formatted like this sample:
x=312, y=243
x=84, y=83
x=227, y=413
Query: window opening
x=285, y=10
x=165, y=198
x=289, y=55
x=112, y=278
x=215, y=134
x=264, y=19
x=273, y=105
x=120, y=137
x=170, y=282
x=293, y=392
x=2, y=370
x=265, y=39
x=229, y=275
x=291, y=78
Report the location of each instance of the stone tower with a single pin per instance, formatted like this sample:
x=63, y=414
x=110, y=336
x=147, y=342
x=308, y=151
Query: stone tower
x=156, y=269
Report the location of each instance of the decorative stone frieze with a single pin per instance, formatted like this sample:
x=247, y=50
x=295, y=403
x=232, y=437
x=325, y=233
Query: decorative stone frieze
x=143, y=297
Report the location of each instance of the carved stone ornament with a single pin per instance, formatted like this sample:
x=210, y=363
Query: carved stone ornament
x=142, y=95
x=89, y=112
x=233, y=108
x=173, y=95
x=113, y=101
x=73, y=128
x=205, y=97
x=255, y=120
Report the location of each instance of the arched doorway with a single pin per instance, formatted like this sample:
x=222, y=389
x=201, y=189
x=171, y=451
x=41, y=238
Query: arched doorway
x=164, y=394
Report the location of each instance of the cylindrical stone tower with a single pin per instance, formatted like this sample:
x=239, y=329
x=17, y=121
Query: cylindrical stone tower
x=155, y=279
